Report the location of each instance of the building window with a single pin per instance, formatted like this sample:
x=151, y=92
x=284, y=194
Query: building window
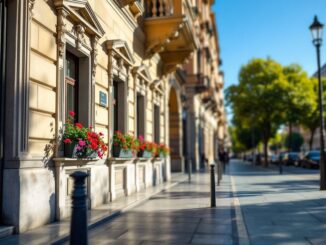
x=156, y=124
x=140, y=115
x=71, y=83
x=119, y=106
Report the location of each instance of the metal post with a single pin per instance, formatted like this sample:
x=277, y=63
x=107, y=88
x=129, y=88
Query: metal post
x=213, y=197
x=322, y=144
x=78, y=224
x=189, y=169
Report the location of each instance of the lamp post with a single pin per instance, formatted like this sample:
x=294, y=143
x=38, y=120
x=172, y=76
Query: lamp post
x=316, y=29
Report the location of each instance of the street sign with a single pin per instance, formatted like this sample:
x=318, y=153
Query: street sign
x=103, y=99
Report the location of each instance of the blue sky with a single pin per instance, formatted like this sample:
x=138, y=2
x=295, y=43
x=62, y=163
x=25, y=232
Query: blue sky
x=267, y=28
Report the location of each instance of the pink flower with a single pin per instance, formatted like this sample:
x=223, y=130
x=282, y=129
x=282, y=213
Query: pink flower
x=71, y=113
x=81, y=143
x=78, y=148
x=141, y=138
x=100, y=154
x=67, y=141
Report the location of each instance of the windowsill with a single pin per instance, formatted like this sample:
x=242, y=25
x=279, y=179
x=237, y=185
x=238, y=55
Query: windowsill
x=120, y=160
x=67, y=162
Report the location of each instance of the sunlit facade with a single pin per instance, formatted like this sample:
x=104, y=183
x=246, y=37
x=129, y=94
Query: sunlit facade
x=146, y=68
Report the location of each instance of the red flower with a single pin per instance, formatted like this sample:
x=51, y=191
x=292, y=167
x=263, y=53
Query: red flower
x=104, y=148
x=71, y=113
x=78, y=125
x=67, y=141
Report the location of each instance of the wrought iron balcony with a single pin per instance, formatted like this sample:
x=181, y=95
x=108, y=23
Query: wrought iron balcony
x=169, y=30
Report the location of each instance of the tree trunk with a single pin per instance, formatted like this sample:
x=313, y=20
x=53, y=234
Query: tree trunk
x=265, y=164
x=290, y=137
x=312, y=134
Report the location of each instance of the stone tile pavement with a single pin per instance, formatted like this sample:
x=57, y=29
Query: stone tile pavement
x=280, y=209
x=180, y=215
x=57, y=233
x=255, y=205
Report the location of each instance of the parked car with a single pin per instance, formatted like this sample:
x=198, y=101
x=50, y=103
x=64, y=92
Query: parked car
x=291, y=158
x=274, y=159
x=311, y=159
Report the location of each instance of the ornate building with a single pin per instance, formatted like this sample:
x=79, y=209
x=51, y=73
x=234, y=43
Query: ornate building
x=146, y=68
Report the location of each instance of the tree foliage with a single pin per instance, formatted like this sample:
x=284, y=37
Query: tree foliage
x=258, y=98
x=295, y=139
x=269, y=95
x=243, y=139
x=300, y=101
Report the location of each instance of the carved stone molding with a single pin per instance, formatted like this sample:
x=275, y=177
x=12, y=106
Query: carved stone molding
x=120, y=59
x=94, y=57
x=61, y=30
x=31, y=7
x=80, y=34
x=82, y=17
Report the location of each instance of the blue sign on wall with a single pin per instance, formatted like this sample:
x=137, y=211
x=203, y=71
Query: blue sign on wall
x=103, y=99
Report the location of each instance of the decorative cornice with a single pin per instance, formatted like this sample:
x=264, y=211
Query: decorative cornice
x=31, y=4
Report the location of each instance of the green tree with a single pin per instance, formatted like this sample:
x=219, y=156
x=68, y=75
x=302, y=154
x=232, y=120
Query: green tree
x=311, y=120
x=257, y=100
x=276, y=142
x=237, y=146
x=295, y=139
x=300, y=100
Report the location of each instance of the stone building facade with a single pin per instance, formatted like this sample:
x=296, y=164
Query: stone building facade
x=146, y=67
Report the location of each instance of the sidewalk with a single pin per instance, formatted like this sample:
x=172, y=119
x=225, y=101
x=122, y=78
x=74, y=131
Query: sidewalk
x=180, y=215
x=57, y=233
x=280, y=209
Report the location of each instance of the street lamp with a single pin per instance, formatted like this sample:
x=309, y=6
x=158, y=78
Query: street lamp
x=316, y=29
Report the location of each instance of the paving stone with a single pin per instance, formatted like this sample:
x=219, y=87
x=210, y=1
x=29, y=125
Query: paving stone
x=212, y=239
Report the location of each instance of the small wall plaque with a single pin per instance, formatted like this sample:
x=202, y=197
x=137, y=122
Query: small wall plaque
x=103, y=99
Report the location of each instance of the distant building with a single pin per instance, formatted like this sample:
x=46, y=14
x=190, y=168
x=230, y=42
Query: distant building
x=322, y=71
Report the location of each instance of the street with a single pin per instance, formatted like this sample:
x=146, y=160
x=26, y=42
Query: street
x=286, y=209
x=281, y=209
x=255, y=205
x=180, y=215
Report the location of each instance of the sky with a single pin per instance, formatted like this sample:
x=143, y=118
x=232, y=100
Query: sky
x=278, y=29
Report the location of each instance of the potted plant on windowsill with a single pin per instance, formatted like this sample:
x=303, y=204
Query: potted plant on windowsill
x=163, y=151
x=145, y=148
x=82, y=142
x=124, y=145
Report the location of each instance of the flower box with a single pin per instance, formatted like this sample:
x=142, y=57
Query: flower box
x=161, y=155
x=70, y=151
x=82, y=142
x=118, y=152
x=145, y=154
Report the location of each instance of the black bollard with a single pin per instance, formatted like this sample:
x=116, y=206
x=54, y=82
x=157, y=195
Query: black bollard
x=78, y=224
x=189, y=169
x=213, y=197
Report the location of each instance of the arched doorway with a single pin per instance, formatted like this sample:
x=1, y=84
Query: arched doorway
x=175, y=132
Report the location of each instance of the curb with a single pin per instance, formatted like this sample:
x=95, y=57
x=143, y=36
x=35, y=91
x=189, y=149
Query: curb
x=243, y=237
x=65, y=238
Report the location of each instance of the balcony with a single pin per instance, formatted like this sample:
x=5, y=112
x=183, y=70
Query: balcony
x=168, y=26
